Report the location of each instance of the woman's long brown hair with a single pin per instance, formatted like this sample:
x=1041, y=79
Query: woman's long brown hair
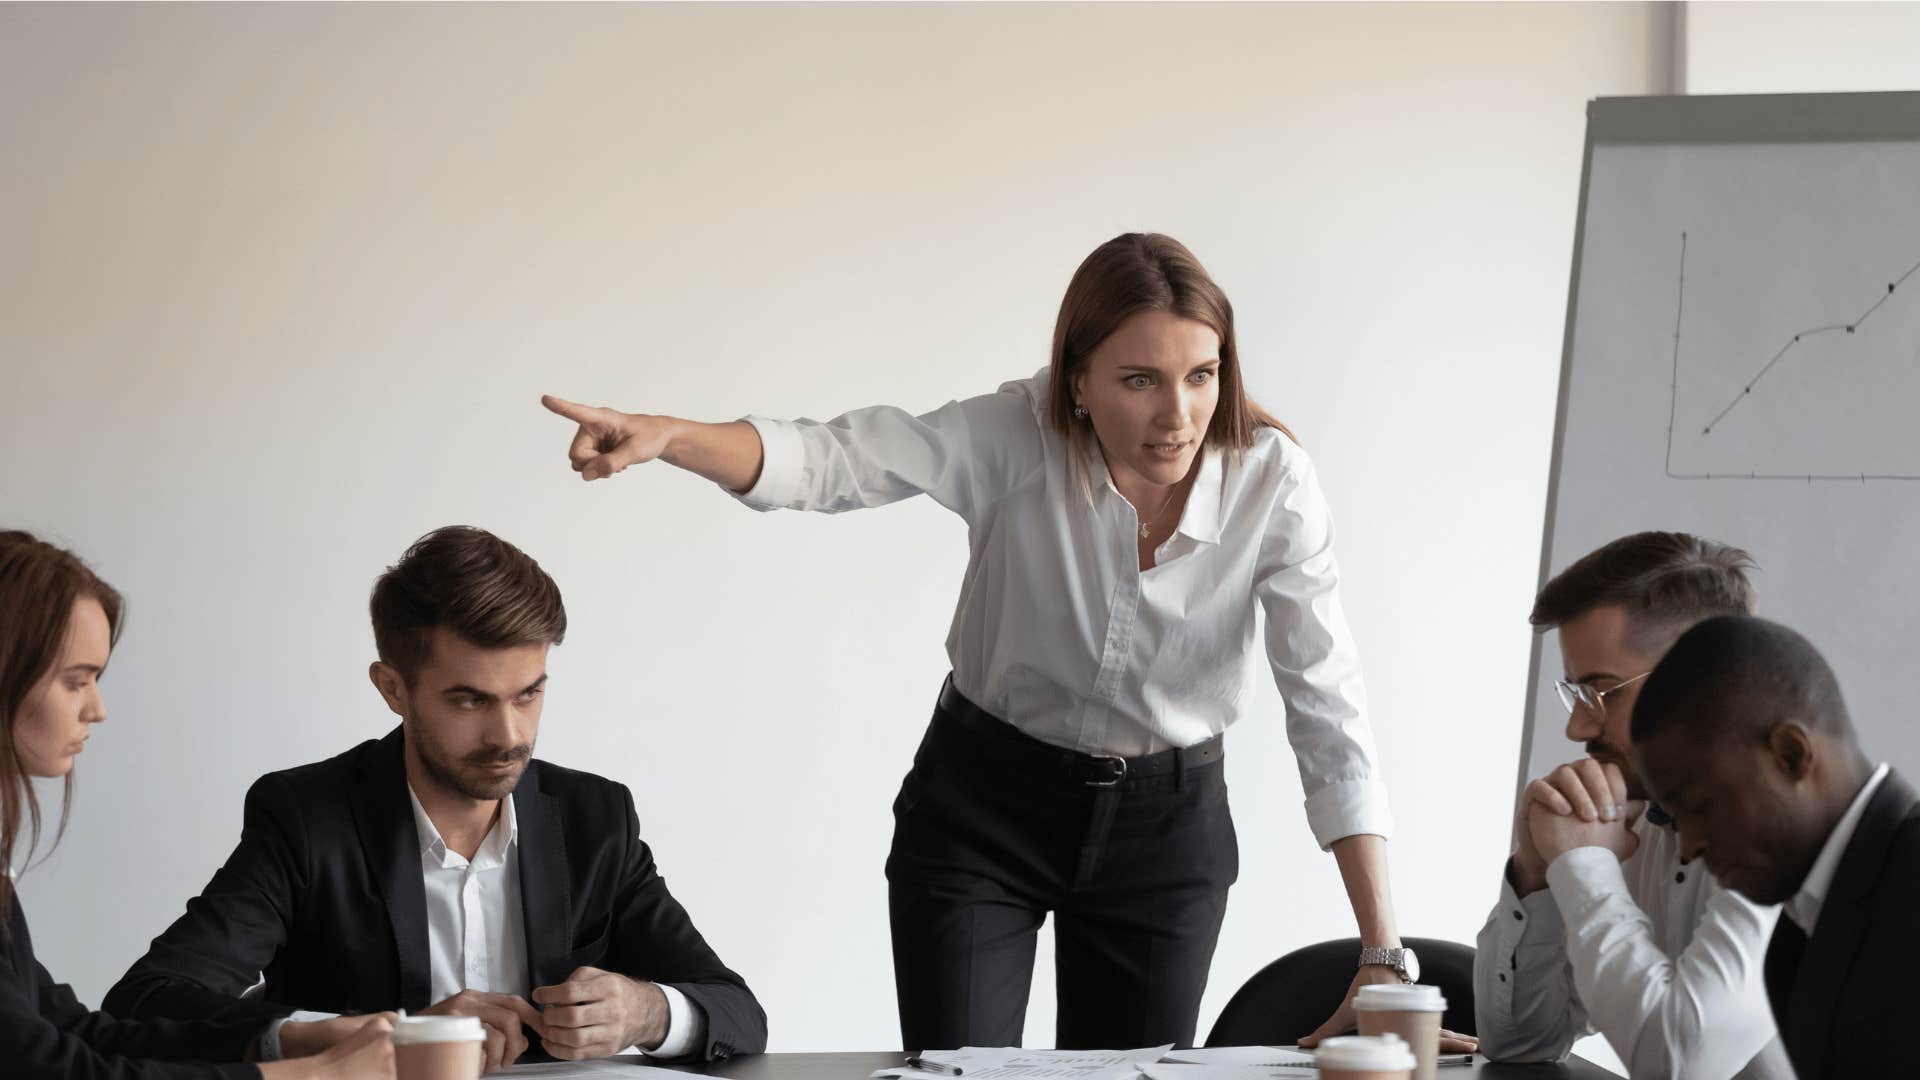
x=1136, y=272
x=39, y=584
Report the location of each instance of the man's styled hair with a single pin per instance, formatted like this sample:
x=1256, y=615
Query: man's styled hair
x=1734, y=678
x=473, y=583
x=1667, y=581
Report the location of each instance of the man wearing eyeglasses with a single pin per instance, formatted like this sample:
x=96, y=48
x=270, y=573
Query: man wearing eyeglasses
x=1601, y=924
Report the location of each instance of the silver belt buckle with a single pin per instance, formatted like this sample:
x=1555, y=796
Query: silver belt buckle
x=1118, y=775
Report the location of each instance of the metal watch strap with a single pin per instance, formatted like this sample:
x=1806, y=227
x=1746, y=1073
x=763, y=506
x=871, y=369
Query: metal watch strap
x=1393, y=958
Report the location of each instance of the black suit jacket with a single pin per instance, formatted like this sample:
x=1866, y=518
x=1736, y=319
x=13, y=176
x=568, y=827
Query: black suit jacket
x=324, y=896
x=46, y=1034
x=1844, y=998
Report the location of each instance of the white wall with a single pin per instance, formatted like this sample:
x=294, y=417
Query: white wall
x=282, y=285
x=1793, y=48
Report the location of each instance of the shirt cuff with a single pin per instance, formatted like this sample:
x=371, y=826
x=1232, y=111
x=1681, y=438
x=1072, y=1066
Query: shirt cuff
x=270, y=1042
x=686, y=1026
x=1580, y=878
x=1534, y=917
x=1349, y=808
x=783, y=457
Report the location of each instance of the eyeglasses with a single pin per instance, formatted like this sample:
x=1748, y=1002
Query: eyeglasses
x=1574, y=693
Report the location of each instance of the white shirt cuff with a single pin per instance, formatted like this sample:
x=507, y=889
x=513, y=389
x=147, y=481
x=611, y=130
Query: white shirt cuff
x=783, y=458
x=270, y=1042
x=1534, y=917
x=1349, y=808
x=686, y=1026
x=1581, y=877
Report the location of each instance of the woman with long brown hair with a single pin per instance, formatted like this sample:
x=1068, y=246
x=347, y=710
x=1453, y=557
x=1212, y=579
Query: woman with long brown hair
x=58, y=624
x=1130, y=509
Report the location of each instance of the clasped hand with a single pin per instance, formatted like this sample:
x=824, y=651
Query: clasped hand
x=1583, y=803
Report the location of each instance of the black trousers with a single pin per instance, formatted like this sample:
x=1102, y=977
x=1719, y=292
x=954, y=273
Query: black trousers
x=994, y=829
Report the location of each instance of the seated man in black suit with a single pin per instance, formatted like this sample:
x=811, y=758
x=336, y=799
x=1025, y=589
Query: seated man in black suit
x=443, y=869
x=1742, y=736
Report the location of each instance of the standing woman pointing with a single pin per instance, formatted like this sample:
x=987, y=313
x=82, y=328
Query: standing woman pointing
x=1129, y=509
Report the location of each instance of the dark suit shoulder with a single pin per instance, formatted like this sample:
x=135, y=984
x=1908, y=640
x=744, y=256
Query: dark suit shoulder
x=319, y=791
x=1900, y=873
x=1892, y=898
x=575, y=787
x=1906, y=837
x=328, y=771
x=315, y=783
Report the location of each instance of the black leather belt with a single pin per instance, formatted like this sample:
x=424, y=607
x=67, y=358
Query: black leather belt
x=1093, y=770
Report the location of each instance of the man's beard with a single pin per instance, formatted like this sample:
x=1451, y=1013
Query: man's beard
x=1613, y=755
x=464, y=775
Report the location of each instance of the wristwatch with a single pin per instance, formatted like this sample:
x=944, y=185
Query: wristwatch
x=1400, y=960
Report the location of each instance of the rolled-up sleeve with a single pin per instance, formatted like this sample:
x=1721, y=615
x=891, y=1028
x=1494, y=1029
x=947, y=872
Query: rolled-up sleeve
x=1316, y=665
x=783, y=459
x=960, y=454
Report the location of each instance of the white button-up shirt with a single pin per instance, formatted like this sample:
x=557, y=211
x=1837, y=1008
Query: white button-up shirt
x=1061, y=634
x=476, y=933
x=1804, y=908
x=1653, y=953
x=476, y=939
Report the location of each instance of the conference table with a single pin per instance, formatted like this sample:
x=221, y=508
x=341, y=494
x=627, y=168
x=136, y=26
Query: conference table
x=858, y=1065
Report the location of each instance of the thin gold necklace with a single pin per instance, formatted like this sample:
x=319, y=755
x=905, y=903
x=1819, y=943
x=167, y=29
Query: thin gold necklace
x=1146, y=527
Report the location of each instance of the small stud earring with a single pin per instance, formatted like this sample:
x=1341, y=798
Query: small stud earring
x=1079, y=412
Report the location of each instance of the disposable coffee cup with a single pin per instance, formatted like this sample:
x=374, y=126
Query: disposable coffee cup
x=438, y=1047
x=1364, y=1057
x=1409, y=1010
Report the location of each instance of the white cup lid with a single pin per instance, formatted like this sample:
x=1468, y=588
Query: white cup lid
x=1367, y=1052
x=1399, y=997
x=413, y=1030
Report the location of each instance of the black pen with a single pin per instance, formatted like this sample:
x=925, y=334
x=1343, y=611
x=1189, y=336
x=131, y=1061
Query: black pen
x=924, y=1065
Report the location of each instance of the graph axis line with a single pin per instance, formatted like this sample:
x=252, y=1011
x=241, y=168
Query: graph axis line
x=1673, y=387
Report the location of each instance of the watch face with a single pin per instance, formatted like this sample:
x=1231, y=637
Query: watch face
x=1412, y=963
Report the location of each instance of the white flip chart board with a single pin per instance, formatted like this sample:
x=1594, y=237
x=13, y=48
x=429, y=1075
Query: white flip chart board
x=1742, y=361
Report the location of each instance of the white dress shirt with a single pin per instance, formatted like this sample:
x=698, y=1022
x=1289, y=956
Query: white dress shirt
x=1058, y=631
x=476, y=939
x=1804, y=908
x=1653, y=953
x=477, y=935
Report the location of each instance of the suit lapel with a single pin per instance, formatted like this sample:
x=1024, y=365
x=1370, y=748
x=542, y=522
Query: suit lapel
x=1782, y=966
x=384, y=816
x=1816, y=990
x=1834, y=945
x=546, y=901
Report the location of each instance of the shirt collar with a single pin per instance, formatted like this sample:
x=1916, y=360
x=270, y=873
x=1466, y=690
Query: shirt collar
x=1805, y=906
x=1097, y=470
x=493, y=850
x=1200, y=519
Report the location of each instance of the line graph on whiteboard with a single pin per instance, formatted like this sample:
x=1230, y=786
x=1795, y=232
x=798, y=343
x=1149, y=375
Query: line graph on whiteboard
x=1833, y=401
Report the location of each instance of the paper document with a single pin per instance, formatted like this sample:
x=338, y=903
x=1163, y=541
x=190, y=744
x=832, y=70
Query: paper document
x=1015, y=1063
x=1242, y=1055
x=602, y=1069
x=1301, y=1066
x=1249, y=1063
